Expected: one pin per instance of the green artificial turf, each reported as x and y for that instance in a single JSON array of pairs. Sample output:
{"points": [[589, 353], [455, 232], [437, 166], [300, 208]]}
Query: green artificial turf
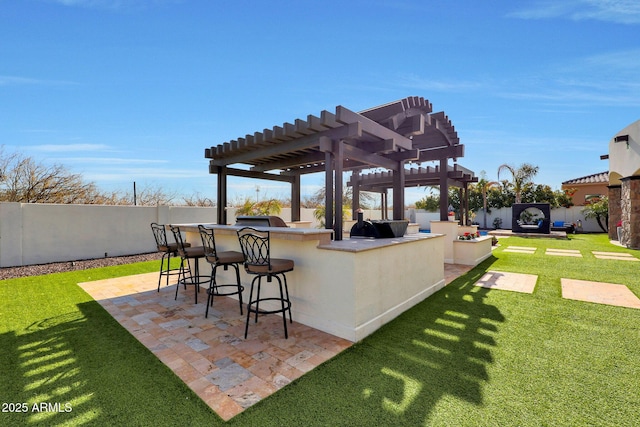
{"points": [[61, 349], [466, 356]]}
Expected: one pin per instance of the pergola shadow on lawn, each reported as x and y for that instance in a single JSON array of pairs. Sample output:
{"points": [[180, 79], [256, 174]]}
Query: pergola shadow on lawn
{"points": [[79, 368], [46, 364], [465, 356], [401, 374]]}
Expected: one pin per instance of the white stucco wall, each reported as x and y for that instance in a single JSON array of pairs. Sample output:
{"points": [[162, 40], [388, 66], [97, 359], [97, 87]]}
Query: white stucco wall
{"points": [[43, 233], [33, 233], [347, 293], [624, 159]]}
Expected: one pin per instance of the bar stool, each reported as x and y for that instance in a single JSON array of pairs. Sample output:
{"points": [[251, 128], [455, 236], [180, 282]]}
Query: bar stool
{"points": [[167, 249], [188, 253], [220, 259], [255, 246]]}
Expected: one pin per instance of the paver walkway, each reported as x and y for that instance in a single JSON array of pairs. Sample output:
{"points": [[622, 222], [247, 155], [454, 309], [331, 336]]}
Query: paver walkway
{"points": [[599, 292], [580, 290], [505, 281], [520, 249], [564, 252], [620, 256]]}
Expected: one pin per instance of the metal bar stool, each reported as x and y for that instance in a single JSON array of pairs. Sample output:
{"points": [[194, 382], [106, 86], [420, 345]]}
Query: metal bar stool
{"points": [[220, 259], [167, 249], [188, 253], [256, 249]]}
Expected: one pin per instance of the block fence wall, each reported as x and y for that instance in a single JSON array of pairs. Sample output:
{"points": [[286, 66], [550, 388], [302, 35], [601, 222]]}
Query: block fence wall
{"points": [[571, 215], [33, 233]]}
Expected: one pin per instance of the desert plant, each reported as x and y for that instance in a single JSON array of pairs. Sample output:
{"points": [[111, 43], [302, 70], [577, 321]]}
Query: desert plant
{"points": [[263, 207], [319, 214], [599, 210]]}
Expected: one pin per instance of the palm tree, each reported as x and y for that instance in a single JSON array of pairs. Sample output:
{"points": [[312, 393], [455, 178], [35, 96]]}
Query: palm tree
{"points": [[484, 187], [520, 177]]}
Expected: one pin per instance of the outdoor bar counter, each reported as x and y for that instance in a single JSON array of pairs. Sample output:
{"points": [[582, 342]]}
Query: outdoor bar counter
{"points": [[347, 288]]}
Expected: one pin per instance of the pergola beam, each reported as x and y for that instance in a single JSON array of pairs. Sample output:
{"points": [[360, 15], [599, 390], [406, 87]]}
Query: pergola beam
{"points": [[258, 175], [287, 146], [370, 127], [287, 163], [366, 157], [449, 152]]}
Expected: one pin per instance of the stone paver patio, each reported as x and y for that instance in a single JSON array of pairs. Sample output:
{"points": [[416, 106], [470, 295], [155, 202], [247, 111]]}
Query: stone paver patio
{"points": [[211, 355]]}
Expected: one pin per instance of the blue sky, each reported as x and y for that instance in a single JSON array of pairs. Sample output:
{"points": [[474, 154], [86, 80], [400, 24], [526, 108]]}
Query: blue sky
{"points": [[133, 90]]}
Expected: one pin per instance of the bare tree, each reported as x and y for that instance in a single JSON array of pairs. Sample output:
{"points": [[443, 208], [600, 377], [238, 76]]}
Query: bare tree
{"points": [[24, 180], [198, 200], [149, 195]]}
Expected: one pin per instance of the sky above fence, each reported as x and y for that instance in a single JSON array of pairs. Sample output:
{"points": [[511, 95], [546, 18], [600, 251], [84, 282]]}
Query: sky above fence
{"points": [[125, 91]]}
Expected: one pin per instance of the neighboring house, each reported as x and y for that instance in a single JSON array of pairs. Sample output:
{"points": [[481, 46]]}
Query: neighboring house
{"points": [[624, 186], [588, 187]]}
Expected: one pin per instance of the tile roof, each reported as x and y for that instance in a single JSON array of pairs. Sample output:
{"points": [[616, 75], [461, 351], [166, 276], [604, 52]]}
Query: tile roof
{"points": [[596, 178]]}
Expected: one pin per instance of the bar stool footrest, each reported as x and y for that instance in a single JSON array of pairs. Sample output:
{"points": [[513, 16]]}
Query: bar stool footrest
{"points": [[252, 309], [195, 280], [171, 272], [216, 291]]}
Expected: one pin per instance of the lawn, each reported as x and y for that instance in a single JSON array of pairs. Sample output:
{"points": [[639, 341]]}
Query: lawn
{"points": [[466, 356]]}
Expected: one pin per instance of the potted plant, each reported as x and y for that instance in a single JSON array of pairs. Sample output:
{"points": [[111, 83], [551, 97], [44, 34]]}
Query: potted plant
{"points": [[497, 223]]}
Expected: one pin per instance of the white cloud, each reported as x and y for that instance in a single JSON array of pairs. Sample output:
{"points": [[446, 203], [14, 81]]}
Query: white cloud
{"points": [[113, 5], [607, 79], [125, 174], [619, 61], [620, 11], [14, 80], [61, 148], [21, 81], [111, 160], [427, 84], [101, 4]]}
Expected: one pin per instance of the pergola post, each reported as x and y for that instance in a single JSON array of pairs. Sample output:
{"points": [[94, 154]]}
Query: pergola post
{"points": [[384, 202], [295, 198], [328, 192], [355, 196], [398, 191], [465, 200], [463, 208], [444, 191], [221, 173], [339, 208]]}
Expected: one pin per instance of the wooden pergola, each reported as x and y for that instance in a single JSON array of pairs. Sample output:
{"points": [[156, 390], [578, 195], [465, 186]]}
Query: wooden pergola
{"points": [[387, 137], [442, 176]]}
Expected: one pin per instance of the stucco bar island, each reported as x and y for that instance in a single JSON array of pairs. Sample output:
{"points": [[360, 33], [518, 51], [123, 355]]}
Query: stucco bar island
{"points": [[348, 288]]}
